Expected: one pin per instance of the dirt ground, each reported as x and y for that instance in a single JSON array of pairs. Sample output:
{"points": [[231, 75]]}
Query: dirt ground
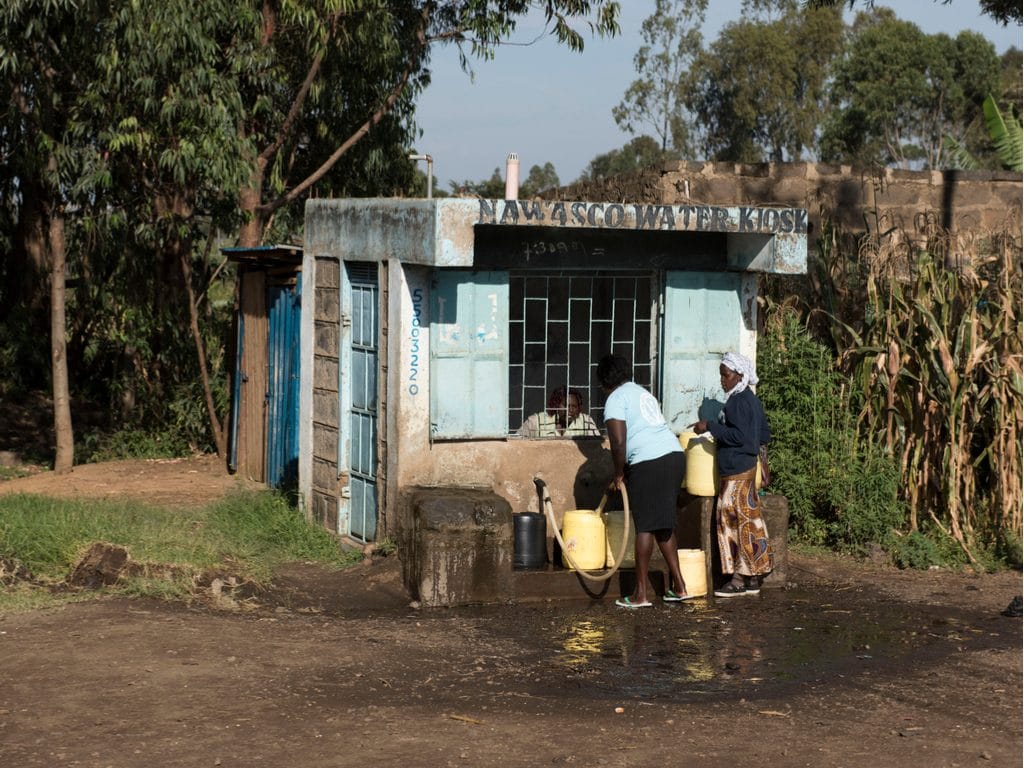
{"points": [[852, 664]]}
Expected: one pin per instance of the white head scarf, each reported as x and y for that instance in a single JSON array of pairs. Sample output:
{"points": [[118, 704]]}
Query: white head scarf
{"points": [[745, 367]]}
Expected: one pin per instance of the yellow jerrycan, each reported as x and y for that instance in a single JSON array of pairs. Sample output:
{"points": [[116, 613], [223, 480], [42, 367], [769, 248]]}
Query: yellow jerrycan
{"points": [[694, 571], [584, 537], [701, 472], [684, 441], [614, 522]]}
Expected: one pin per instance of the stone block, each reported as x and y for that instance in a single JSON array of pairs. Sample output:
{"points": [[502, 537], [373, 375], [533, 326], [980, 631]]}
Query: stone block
{"points": [[325, 407], [325, 443], [328, 272], [326, 305], [460, 547], [325, 510], [325, 373], [325, 339], [775, 511]]}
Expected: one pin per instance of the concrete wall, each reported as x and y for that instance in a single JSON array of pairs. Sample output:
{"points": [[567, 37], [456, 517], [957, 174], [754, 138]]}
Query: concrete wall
{"points": [[574, 470], [858, 199]]}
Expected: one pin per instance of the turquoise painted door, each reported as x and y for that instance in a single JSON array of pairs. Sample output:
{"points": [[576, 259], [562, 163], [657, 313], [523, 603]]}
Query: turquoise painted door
{"points": [[362, 417], [703, 317]]}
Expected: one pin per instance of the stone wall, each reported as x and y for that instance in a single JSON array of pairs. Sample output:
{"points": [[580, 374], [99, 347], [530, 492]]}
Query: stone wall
{"points": [[858, 200], [327, 325]]}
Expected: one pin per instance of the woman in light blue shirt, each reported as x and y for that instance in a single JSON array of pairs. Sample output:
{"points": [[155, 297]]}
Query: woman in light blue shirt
{"points": [[649, 462]]}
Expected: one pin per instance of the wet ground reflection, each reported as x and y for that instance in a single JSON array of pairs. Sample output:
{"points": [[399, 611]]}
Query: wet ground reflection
{"points": [[707, 647]]}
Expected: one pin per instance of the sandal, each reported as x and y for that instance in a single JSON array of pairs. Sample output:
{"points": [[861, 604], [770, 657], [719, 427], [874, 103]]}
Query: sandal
{"points": [[627, 602], [675, 597]]}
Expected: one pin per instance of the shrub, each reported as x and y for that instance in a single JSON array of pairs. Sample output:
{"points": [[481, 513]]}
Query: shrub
{"points": [[840, 493]]}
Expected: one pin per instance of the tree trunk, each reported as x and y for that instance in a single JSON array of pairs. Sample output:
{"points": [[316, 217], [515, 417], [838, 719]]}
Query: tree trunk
{"points": [[197, 337], [65, 456], [250, 234]]}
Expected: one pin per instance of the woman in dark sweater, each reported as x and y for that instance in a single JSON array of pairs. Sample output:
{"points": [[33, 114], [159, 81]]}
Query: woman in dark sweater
{"points": [[746, 553]]}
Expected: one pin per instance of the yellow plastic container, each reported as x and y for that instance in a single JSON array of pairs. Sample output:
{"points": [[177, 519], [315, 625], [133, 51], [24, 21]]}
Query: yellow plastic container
{"points": [[684, 441], [701, 469], [584, 537], [694, 571], [614, 522]]}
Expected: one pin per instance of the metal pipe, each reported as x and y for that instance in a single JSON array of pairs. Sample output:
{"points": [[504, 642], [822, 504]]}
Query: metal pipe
{"points": [[430, 172]]}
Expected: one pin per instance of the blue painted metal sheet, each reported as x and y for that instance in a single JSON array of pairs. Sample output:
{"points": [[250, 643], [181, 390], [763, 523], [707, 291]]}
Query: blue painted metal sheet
{"points": [[236, 393], [702, 322], [469, 354], [284, 315]]}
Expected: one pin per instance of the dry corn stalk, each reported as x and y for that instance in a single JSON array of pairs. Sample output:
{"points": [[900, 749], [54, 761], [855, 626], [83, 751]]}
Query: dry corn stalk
{"points": [[937, 355]]}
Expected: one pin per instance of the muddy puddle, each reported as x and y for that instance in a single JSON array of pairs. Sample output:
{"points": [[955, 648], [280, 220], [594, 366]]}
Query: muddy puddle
{"points": [[744, 645]]}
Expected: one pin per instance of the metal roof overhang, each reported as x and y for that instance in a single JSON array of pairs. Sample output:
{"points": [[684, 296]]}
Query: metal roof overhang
{"points": [[265, 255]]}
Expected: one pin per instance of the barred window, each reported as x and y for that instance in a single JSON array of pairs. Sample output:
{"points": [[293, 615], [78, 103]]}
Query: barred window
{"points": [[561, 323]]}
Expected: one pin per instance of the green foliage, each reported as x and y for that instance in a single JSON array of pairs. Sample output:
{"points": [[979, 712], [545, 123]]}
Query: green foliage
{"points": [[840, 494], [656, 100], [758, 91], [248, 535], [915, 550], [130, 443], [898, 92], [863, 498], [641, 152], [539, 179], [1004, 136], [151, 128]]}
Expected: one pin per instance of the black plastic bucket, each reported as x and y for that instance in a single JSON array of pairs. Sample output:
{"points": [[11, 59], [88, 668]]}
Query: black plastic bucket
{"points": [[530, 548]]}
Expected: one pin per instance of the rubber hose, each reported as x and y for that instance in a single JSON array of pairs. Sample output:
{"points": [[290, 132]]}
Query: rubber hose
{"points": [[590, 576]]}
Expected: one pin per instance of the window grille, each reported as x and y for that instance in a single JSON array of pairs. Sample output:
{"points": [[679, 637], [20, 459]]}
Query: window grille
{"points": [[562, 323]]}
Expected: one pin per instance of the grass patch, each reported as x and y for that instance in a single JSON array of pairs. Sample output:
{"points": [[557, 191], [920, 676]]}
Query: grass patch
{"points": [[247, 535]]}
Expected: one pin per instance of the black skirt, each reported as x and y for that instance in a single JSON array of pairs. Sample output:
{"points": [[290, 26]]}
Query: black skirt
{"points": [[653, 487]]}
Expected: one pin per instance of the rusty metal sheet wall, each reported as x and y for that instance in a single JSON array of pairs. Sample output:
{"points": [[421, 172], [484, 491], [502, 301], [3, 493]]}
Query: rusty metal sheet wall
{"points": [[253, 369]]}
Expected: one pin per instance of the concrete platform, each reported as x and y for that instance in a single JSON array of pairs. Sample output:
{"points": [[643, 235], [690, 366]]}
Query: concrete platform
{"points": [[695, 528]]}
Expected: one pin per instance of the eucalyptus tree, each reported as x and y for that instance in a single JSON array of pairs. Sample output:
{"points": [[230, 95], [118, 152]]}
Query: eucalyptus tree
{"points": [[539, 179], [47, 55], [898, 92], [342, 69], [637, 154], [1003, 12], [758, 91], [656, 99], [156, 124]]}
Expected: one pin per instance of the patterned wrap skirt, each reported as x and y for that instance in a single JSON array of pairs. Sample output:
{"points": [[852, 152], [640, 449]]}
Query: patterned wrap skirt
{"points": [[742, 535], [653, 488]]}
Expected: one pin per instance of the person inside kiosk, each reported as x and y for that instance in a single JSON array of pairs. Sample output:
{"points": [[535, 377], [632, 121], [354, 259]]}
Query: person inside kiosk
{"points": [[563, 417]]}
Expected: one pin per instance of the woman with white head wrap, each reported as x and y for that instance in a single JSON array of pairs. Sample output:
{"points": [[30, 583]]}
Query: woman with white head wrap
{"points": [[746, 553]]}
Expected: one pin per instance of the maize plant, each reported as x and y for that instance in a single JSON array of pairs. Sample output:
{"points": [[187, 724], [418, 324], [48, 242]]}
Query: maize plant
{"points": [[937, 360]]}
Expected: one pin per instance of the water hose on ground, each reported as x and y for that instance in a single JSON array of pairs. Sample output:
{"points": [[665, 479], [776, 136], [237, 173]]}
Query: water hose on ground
{"points": [[542, 488]]}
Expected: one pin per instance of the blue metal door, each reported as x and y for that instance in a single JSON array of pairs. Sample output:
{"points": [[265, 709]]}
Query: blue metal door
{"points": [[284, 313], [362, 516]]}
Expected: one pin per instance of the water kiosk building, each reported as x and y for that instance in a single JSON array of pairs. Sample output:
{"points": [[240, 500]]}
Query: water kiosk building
{"points": [[431, 329]]}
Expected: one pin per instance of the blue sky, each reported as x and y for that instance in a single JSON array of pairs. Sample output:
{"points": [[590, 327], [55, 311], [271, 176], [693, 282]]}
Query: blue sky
{"points": [[551, 105]]}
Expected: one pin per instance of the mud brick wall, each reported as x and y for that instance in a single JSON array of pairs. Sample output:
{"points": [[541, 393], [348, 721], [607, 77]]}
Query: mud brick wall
{"points": [[860, 200], [327, 328]]}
